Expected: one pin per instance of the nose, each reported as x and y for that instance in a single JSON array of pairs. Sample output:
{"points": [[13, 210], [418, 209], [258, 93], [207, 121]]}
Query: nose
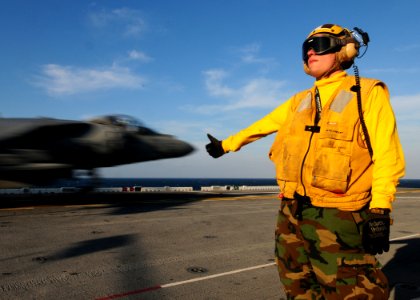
{"points": [[311, 52]]}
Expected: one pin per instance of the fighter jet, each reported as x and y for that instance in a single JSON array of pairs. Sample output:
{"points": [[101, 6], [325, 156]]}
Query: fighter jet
{"points": [[36, 151]]}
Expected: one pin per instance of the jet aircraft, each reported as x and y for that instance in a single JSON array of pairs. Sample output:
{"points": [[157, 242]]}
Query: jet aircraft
{"points": [[37, 151]]}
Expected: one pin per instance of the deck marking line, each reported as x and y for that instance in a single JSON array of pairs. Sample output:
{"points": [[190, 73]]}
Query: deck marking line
{"points": [[167, 285], [404, 237], [116, 296], [216, 275], [17, 208]]}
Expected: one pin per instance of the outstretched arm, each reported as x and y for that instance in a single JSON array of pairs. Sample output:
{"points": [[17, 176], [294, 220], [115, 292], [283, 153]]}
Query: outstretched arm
{"points": [[261, 128]]}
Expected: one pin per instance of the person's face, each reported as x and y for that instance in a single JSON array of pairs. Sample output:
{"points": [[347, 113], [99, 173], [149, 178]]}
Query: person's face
{"points": [[320, 64], [323, 63]]}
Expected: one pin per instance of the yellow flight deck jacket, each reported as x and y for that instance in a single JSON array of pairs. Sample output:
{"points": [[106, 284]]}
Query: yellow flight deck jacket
{"points": [[333, 166]]}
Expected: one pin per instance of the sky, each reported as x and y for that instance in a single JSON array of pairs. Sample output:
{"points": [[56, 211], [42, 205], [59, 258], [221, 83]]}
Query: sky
{"points": [[192, 67]]}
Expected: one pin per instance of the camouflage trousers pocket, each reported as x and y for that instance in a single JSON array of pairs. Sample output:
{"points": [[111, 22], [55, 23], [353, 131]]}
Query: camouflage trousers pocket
{"points": [[361, 277], [288, 207]]}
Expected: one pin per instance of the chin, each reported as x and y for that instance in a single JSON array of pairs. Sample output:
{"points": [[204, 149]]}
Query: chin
{"points": [[315, 74]]}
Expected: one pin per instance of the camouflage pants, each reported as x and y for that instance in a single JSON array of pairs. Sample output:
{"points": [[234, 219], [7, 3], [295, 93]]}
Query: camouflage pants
{"points": [[320, 256]]}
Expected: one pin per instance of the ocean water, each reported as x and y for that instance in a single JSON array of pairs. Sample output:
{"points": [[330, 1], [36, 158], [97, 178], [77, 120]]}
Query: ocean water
{"points": [[196, 183]]}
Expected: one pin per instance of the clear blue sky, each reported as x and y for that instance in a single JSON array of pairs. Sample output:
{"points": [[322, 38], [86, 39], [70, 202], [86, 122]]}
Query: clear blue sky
{"points": [[191, 67]]}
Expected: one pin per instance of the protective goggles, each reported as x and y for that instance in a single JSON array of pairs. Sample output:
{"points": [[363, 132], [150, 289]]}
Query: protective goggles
{"points": [[321, 45]]}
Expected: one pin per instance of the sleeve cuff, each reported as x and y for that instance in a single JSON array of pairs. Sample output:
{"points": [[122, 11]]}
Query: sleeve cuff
{"points": [[381, 201]]}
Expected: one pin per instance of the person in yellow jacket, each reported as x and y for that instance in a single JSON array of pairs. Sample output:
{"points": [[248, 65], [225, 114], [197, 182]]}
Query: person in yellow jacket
{"points": [[338, 161]]}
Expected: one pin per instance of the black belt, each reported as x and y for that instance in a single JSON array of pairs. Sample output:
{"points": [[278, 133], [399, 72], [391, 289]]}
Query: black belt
{"points": [[302, 199], [302, 202]]}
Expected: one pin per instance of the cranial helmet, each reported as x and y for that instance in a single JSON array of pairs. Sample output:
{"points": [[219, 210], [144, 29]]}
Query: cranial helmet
{"points": [[331, 38]]}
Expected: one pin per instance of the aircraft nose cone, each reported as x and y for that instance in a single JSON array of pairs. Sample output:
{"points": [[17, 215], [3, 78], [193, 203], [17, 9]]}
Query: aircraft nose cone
{"points": [[184, 148], [170, 146], [161, 146]]}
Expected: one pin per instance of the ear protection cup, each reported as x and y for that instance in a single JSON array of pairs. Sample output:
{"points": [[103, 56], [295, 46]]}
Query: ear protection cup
{"points": [[348, 52]]}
